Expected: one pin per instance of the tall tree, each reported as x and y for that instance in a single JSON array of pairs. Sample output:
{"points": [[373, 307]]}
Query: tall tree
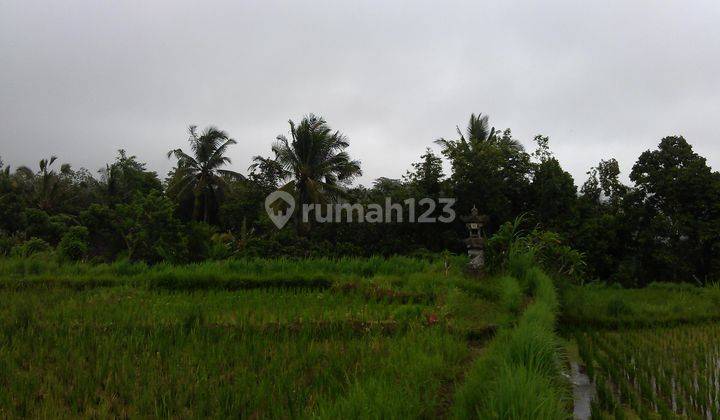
{"points": [[489, 170], [426, 176], [314, 161], [677, 212], [552, 191], [201, 173], [477, 134], [149, 228], [11, 204], [125, 177], [46, 189], [602, 228]]}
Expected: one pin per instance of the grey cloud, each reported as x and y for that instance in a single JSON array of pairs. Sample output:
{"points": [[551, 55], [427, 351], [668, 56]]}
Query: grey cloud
{"points": [[81, 79]]}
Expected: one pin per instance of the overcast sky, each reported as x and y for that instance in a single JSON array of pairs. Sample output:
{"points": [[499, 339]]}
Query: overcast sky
{"points": [[81, 79]]}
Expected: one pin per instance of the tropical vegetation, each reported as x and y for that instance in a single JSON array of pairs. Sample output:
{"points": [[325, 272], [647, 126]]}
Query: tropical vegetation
{"points": [[129, 294]]}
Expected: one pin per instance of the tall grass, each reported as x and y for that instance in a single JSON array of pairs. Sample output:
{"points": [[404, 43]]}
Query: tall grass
{"points": [[524, 394], [188, 370], [418, 276], [519, 375], [11, 267], [247, 338], [127, 352], [659, 304]]}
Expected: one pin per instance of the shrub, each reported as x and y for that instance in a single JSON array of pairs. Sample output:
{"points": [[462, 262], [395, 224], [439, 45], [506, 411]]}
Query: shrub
{"points": [[39, 224], [150, 230], [514, 250], [520, 261], [222, 246], [74, 244], [30, 247], [198, 241], [6, 244], [104, 239]]}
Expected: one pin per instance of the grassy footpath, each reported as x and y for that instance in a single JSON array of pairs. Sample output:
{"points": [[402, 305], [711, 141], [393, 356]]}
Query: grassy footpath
{"points": [[519, 374]]}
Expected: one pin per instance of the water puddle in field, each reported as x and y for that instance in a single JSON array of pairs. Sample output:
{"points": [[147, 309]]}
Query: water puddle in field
{"points": [[583, 391]]}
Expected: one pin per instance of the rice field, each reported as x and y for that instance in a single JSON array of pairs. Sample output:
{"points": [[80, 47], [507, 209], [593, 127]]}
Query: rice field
{"points": [[659, 304], [666, 372], [257, 339], [377, 338]]}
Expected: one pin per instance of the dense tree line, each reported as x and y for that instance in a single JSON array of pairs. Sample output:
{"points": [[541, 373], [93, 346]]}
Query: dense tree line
{"points": [[663, 227]]}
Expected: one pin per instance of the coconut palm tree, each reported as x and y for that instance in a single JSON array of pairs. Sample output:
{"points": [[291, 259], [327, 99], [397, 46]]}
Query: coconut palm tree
{"points": [[313, 161], [201, 173], [477, 134], [46, 187], [489, 169]]}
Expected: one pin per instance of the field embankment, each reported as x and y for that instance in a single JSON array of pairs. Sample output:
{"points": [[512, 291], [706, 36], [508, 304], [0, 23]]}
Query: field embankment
{"points": [[519, 374]]}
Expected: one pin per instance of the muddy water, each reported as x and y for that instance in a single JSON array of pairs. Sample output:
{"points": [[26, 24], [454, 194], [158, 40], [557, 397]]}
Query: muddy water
{"points": [[583, 391]]}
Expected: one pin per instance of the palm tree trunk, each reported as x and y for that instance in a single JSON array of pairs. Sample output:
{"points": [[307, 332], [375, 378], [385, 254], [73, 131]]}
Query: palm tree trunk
{"points": [[196, 207], [206, 216], [301, 228]]}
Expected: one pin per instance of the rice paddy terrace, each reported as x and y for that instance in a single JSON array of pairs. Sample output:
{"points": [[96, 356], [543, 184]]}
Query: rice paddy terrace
{"points": [[380, 338]]}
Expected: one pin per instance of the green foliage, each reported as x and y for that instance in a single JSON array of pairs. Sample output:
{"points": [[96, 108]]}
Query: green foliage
{"points": [[74, 244], [523, 393], [30, 247], [499, 245], [41, 225], [665, 226], [11, 202], [150, 230], [552, 193], [515, 250], [104, 237], [426, 177], [6, 245], [201, 175], [681, 195], [199, 241], [242, 205], [337, 269], [314, 161], [489, 169], [126, 177]]}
